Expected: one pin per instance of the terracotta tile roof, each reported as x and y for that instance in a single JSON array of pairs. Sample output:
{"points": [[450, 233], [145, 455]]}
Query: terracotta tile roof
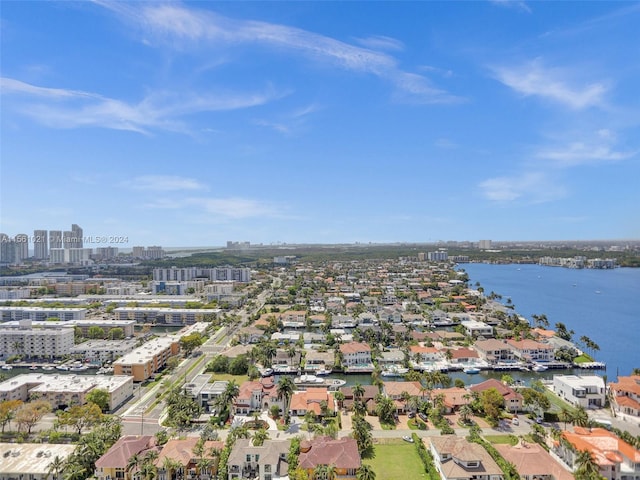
{"points": [[527, 344], [354, 347], [125, 448], [504, 390], [342, 453], [531, 460], [181, 450], [395, 389], [311, 398], [420, 349], [453, 397], [604, 445], [463, 353], [627, 384]]}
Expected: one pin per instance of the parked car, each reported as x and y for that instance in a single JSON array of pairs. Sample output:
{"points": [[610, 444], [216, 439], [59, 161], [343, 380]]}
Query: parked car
{"points": [[515, 421], [407, 438], [411, 414], [423, 417]]}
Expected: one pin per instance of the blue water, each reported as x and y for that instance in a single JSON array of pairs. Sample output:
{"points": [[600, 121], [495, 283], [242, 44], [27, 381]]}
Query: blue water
{"points": [[601, 304]]}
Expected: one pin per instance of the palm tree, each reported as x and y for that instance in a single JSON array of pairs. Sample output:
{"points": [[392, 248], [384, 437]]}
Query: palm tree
{"points": [[366, 472], [586, 466], [339, 396], [259, 437], [170, 466], [580, 418], [358, 391], [465, 413], [56, 467], [133, 463], [285, 390]]}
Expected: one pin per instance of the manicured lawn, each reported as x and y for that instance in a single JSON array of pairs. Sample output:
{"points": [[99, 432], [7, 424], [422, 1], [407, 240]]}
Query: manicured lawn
{"points": [[396, 459], [557, 403], [502, 439], [240, 379]]}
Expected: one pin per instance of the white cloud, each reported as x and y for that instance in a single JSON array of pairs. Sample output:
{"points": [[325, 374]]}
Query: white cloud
{"points": [[529, 187], [534, 79], [177, 26], [62, 108], [163, 183], [381, 42], [599, 147]]}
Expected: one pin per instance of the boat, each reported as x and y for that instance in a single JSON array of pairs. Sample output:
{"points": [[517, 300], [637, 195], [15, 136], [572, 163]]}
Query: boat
{"points": [[78, 368], [471, 370], [539, 367], [304, 381], [394, 371], [33, 367], [266, 372], [7, 367], [62, 367], [48, 368], [322, 371]]}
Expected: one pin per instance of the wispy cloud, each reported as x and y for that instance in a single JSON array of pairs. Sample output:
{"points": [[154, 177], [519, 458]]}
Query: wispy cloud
{"points": [[556, 84], [233, 208], [380, 42], [528, 187], [178, 25], [64, 108], [600, 147], [516, 4], [289, 122], [163, 183]]}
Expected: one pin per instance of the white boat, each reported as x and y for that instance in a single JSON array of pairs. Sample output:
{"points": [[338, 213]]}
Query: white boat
{"points": [[62, 367], [471, 370], [33, 367], [539, 367], [304, 381], [47, 367], [7, 367], [322, 371], [394, 371], [78, 368]]}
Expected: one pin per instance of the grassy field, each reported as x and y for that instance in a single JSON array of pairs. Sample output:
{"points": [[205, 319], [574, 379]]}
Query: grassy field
{"points": [[502, 439], [240, 379], [396, 459], [557, 403]]}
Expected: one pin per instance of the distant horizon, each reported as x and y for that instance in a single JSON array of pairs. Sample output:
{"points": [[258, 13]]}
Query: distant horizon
{"points": [[189, 123]]}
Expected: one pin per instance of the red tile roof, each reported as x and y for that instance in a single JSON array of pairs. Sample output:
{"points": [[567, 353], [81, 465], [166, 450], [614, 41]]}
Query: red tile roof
{"points": [[342, 453], [125, 448]]}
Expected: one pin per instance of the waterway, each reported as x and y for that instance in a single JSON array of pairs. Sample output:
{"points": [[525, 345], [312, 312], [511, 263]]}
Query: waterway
{"points": [[601, 304]]}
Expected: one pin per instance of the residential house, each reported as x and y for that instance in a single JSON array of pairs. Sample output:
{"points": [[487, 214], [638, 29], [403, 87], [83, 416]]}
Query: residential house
{"points": [[257, 395], [495, 351], [312, 399], [587, 391], [368, 398], [512, 399], [462, 356], [452, 398], [531, 351], [455, 458], [475, 329], [315, 360], [177, 459], [421, 354], [356, 355], [341, 453], [396, 391], [625, 395], [266, 462], [113, 464], [616, 459], [533, 462]]}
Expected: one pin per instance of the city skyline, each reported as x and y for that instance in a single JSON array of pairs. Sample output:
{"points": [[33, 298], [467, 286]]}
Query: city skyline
{"points": [[189, 124]]}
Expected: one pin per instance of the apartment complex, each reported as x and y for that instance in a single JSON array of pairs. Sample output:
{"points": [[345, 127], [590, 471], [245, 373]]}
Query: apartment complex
{"points": [[148, 359], [41, 313], [35, 343], [235, 274]]}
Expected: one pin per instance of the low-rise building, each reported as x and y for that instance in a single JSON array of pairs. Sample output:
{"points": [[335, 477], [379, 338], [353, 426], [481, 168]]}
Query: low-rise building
{"points": [[65, 390], [257, 395], [356, 355], [531, 351], [178, 459], [41, 313], [100, 352], [586, 391], [32, 460], [45, 343], [205, 392], [455, 458], [475, 328], [495, 351], [147, 359]]}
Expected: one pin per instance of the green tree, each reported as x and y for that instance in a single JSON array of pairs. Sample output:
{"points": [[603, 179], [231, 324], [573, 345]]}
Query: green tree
{"points": [[586, 467], [31, 413], [492, 403], [260, 436], [362, 434], [116, 333], [386, 409], [190, 342], [80, 417], [8, 409], [95, 331], [100, 397], [365, 472]]}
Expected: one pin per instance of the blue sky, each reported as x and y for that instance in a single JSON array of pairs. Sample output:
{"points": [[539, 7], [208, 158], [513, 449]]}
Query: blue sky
{"points": [[190, 124]]}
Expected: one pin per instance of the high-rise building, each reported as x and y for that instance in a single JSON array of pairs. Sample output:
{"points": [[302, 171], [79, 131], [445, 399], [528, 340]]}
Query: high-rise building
{"points": [[21, 250], [138, 252], [77, 235], [484, 244], [40, 245], [55, 238], [154, 252]]}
